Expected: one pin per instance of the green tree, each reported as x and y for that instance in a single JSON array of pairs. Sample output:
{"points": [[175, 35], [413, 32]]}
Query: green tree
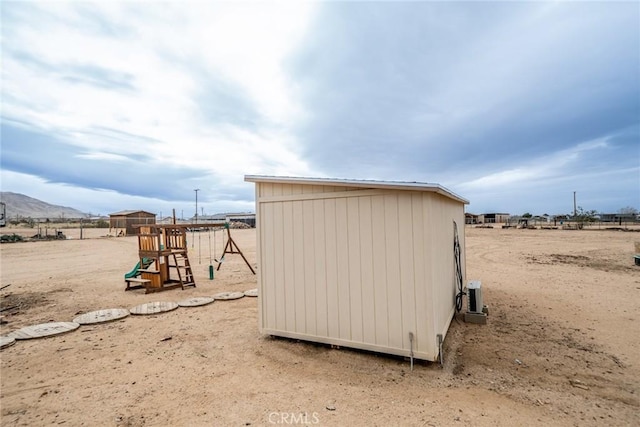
{"points": [[583, 217]]}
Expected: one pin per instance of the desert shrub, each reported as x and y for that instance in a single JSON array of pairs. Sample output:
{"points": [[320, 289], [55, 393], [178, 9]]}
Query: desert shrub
{"points": [[101, 223], [10, 238]]}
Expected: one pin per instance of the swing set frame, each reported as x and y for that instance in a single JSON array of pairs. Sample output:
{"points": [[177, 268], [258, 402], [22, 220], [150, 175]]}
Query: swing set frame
{"points": [[231, 247]]}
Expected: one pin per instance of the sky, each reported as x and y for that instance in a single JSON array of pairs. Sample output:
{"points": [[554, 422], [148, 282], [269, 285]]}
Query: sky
{"points": [[515, 106]]}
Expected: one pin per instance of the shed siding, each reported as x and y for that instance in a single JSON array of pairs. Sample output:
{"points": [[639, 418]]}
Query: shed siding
{"points": [[381, 323], [421, 253], [298, 268], [407, 267], [357, 270], [366, 269], [342, 267], [289, 253], [268, 189], [444, 213]]}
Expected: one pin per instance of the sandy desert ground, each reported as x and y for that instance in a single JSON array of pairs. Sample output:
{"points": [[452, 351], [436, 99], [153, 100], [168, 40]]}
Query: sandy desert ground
{"points": [[561, 346]]}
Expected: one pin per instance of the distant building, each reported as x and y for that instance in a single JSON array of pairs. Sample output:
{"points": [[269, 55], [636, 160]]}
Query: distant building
{"points": [[470, 218], [493, 218], [170, 220], [618, 217], [124, 221], [220, 219], [246, 218], [214, 219]]}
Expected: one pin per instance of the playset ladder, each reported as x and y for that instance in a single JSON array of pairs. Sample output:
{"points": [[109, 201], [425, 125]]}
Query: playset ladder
{"points": [[183, 269]]}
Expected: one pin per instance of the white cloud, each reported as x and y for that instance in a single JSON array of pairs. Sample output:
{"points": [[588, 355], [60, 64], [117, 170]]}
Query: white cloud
{"points": [[248, 42], [538, 170], [210, 91], [157, 49]]}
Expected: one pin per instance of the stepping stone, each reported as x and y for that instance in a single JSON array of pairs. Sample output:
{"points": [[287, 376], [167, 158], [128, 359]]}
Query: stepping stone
{"points": [[195, 301], [44, 330], [6, 342], [101, 316], [228, 295], [251, 293], [154, 307]]}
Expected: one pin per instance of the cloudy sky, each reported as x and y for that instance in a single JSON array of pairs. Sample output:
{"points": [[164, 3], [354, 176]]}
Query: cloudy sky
{"points": [[133, 105]]}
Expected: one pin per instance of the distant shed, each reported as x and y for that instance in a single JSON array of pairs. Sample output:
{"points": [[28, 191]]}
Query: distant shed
{"points": [[125, 221], [362, 264], [494, 218]]}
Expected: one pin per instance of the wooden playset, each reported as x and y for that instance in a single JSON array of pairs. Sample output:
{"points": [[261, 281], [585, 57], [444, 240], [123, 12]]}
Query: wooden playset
{"points": [[164, 260]]}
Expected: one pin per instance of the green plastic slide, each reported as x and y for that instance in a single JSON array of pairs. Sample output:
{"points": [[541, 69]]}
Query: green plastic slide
{"points": [[134, 272]]}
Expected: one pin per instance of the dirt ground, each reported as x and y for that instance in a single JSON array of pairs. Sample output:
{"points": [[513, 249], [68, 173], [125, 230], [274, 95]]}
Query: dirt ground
{"points": [[560, 346]]}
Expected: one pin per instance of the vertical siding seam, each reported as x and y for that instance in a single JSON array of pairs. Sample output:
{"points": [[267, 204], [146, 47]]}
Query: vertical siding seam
{"points": [[275, 270], [287, 286], [259, 254], [346, 205], [319, 247], [277, 261], [302, 254], [415, 267], [358, 268], [314, 275], [362, 309], [398, 254], [263, 275], [373, 258], [326, 268], [276, 265], [335, 255], [386, 258]]}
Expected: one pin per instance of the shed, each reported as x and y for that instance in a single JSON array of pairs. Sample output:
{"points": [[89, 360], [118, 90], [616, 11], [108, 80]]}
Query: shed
{"points": [[361, 264], [494, 218], [125, 220], [470, 218]]}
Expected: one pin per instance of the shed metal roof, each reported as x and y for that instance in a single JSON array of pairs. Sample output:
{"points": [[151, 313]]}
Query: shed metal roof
{"points": [[392, 185]]}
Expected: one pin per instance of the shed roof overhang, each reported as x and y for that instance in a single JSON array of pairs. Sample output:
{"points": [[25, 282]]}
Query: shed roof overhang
{"points": [[391, 185]]}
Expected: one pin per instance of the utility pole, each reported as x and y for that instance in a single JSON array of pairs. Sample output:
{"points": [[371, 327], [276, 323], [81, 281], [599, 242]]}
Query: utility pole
{"points": [[575, 211], [196, 190]]}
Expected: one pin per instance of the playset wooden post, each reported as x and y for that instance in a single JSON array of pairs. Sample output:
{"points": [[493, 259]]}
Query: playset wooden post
{"points": [[232, 248]]}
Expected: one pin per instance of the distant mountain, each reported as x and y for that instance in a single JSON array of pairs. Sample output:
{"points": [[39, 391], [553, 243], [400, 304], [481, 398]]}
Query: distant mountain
{"points": [[25, 206]]}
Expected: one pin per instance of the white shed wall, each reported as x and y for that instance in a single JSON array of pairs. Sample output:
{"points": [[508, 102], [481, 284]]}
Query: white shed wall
{"points": [[357, 267]]}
